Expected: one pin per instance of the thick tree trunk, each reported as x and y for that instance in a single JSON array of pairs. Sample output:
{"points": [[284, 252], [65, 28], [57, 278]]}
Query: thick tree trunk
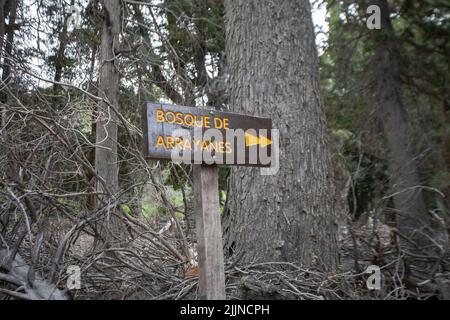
{"points": [[273, 69], [411, 215], [106, 129]]}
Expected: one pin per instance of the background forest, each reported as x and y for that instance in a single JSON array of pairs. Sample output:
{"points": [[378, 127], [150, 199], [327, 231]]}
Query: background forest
{"points": [[364, 127]]}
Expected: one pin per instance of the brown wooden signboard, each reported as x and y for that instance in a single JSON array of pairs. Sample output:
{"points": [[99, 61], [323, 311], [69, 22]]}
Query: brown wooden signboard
{"points": [[207, 138], [202, 136]]}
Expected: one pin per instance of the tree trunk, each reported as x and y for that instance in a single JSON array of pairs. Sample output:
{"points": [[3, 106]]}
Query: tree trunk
{"points": [[2, 24], [2, 36], [60, 57], [8, 48], [411, 215], [10, 10], [90, 178], [106, 129], [273, 69]]}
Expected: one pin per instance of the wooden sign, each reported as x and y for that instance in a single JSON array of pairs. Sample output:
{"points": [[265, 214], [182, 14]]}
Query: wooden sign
{"points": [[207, 138], [201, 136]]}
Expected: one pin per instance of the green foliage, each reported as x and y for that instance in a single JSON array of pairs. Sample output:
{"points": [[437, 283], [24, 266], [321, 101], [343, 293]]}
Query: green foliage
{"points": [[422, 30], [126, 208], [190, 21], [149, 210]]}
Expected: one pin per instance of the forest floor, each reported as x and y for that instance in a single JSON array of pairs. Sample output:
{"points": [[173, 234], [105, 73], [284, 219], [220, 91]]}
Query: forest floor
{"points": [[147, 272]]}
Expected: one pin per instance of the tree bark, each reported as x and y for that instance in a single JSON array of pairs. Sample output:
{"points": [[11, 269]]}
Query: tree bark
{"points": [[6, 74], [60, 56], [10, 10], [411, 215], [2, 36], [2, 24], [273, 70], [106, 129]]}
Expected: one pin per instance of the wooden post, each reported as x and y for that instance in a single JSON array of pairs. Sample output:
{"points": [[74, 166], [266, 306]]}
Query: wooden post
{"points": [[209, 232]]}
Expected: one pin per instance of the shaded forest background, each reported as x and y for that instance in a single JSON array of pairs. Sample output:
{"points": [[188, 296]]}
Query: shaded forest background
{"points": [[75, 189]]}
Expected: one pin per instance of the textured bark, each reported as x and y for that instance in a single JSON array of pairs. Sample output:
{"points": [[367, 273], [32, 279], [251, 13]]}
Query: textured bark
{"points": [[2, 24], [8, 47], [89, 175], [106, 129], [10, 11], [411, 215], [2, 36], [60, 56], [273, 71]]}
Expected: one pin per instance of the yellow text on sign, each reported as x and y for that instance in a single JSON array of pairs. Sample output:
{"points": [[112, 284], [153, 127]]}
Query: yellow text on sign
{"points": [[190, 120], [169, 142]]}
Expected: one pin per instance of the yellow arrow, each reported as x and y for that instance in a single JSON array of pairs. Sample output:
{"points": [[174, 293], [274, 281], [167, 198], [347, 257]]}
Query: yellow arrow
{"points": [[251, 140]]}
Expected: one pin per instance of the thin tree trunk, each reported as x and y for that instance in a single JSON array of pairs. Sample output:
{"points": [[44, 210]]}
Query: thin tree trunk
{"points": [[2, 36], [273, 69], [106, 160], [13, 167], [90, 179], [60, 57], [411, 215], [2, 24], [8, 48]]}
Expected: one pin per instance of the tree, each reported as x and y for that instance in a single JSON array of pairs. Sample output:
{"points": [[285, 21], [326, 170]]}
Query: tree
{"points": [[273, 69], [406, 187], [106, 160], [60, 58], [11, 8], [386, 88]]}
